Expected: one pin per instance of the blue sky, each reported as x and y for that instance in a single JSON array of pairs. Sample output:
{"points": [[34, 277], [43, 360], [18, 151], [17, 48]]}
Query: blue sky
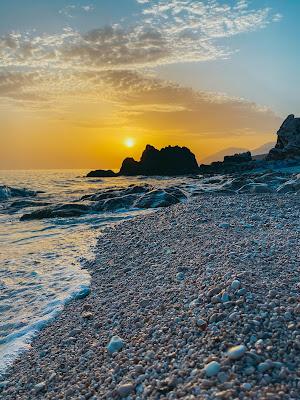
{"points": [[151, 67]]}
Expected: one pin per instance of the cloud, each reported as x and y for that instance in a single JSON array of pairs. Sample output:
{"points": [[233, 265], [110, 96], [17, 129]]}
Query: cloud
{"points": [[112, 64], [162, 106], [72, 10], [168, 31]]}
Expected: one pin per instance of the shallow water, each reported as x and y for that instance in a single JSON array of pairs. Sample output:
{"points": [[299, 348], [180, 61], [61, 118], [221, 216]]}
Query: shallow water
{"points": [[41, 261]]}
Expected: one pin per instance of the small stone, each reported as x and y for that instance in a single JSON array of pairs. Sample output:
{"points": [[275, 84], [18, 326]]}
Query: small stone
{"points": [[235, 285], [212, 369], [125, 390], [225, 298], [235, 316], [180, 276], [87, 315], [201, 324], [236, 352], [224, 225], [115, 344], [40, 387], [246, 386], [263, 367]]}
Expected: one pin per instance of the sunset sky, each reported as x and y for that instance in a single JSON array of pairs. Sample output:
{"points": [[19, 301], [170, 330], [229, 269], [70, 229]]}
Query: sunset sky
{"points": [[85, 83]]}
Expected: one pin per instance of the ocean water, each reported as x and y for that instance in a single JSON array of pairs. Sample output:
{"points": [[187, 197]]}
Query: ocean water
{"points": [[42, 261]]}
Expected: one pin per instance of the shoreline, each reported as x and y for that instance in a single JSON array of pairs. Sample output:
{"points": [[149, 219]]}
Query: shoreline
{"points": [[158, 282]]}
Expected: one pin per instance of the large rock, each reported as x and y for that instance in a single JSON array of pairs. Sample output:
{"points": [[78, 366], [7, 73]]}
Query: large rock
{"points": [[160, 198], [166, 162], [288, 141], [59, 211], [101, 173]]}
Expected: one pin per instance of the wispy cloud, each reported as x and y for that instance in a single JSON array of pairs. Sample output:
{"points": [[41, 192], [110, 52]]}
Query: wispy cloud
{"points": [[72, 10], [167, 32], [112, 64]]}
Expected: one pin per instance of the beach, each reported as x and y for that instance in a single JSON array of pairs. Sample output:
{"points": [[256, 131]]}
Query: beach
{"points": [[202, 299]]}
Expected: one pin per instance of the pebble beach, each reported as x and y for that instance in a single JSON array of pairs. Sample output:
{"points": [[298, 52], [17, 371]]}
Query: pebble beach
{"points": [[195, 301]]}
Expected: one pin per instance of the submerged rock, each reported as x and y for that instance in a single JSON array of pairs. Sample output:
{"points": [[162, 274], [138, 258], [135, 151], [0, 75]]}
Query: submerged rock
{"points": [[60, 211]]}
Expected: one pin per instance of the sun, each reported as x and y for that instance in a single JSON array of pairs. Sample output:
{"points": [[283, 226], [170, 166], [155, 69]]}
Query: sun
{"points": [[129, 142]]}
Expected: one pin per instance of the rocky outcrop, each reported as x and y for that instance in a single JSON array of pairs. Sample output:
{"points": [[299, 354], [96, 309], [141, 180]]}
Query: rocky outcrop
{"points": [[101, 173], [238, 158], [59, 211], [231, 164], [165, 162], [288, 141]]}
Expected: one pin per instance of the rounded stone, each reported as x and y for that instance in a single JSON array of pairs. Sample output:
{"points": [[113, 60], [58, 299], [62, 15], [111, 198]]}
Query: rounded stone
{"points": [[236, 352], [235, 285], [212, 369], [115, 344]]}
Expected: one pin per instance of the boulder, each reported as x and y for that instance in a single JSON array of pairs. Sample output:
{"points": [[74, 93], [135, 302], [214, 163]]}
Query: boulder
{"points": [[157, 198], [101, 173], [115, 203], [59, 211], [288, 140], [168, 161]]}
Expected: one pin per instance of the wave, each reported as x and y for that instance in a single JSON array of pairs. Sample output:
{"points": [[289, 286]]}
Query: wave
{"points": [[8, 192]]}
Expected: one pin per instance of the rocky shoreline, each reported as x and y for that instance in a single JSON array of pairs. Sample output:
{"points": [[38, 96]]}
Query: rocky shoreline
{"points": [[201, 301]]}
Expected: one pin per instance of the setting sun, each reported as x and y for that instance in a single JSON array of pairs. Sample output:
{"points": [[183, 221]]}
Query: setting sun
{"points": [[129, 142]]}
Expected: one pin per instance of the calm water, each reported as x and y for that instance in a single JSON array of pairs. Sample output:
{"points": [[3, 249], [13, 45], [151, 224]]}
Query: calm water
{"points": [[41, 261]]}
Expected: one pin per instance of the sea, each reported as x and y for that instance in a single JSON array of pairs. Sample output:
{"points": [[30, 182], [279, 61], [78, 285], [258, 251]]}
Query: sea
{"points": [[42, 261]]}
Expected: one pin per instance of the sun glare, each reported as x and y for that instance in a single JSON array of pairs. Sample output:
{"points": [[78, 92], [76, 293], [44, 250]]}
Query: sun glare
{"points": [[129, 142]]}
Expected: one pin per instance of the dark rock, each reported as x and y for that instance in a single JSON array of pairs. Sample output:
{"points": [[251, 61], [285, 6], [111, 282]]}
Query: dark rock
{"points": [[288, 141], [115, 203], [28, 203], [236, 163], [238, 158], [60, 211], [130, 167], [101, 173], [157, 198], [166, 162]]}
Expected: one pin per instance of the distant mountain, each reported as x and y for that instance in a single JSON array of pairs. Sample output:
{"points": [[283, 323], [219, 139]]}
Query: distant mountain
{"points": [[263, 149], [219, 156]]}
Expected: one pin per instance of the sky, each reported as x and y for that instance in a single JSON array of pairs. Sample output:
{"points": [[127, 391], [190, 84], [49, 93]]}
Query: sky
{"points": [[84, 84]]}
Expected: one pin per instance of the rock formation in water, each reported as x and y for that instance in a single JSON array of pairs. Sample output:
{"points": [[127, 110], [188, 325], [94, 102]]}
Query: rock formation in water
{"points": [[167, 161], [288, 141], [101, 173]]}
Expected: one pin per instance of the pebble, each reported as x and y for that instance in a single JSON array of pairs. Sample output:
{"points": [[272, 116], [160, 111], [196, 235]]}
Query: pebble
{"points": [[180, 276], [115, 344], [40, 387], [125, 390], [236, 352], [212, 369], [235, 285], [246, 386]]}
